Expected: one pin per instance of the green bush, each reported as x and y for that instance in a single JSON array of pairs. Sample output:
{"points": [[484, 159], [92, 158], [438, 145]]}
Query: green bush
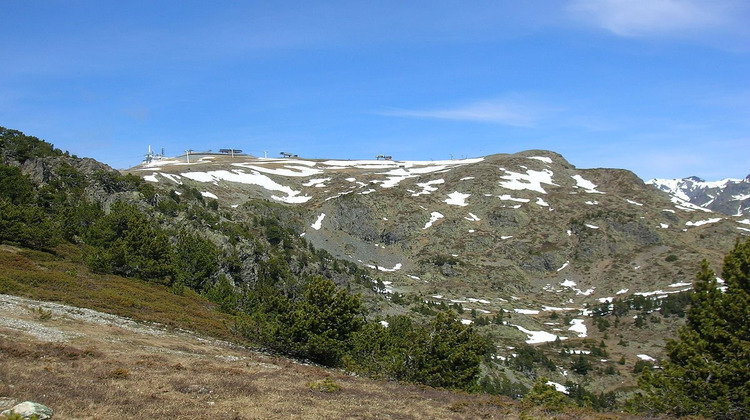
{"points": [[444, 353], [546, 396]]}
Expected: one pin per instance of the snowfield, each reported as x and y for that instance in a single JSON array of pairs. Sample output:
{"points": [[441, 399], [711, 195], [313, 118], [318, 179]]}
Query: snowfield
{"points": [[254, 178], [531, 180]]}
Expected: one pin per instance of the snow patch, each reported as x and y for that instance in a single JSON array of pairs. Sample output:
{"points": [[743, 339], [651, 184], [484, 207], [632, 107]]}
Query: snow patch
{"points": [[571, 285], [526, 311], [703, 222], [536, 337], [472, 218], [558, 387], [209, 195], [287, 170], [544, 159], [687, 206], [578, 327], [556, 309], [457, 199], [318, 182], [386, 270], [318, 223], [506, 197], [531, 180], [173, 178], [427, 187], [587, 185], [434, 217]]}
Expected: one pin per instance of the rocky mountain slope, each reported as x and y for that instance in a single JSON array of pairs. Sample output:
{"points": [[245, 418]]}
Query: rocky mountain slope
{"points": [[527, 236], [728, 196]]}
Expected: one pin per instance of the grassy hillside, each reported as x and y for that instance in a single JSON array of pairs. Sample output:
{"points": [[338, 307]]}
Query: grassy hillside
{"points": [[60, 276]]}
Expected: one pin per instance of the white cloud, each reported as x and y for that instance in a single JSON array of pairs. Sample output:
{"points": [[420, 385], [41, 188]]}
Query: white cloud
{"points": [[507, 112], [630, 18]]}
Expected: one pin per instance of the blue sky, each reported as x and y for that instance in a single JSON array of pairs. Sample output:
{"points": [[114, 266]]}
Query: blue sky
{"points": [[660, 87]]}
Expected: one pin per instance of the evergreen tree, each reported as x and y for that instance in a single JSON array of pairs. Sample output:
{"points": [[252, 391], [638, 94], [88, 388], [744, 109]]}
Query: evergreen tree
{"points": [[317, 326], [126, 243], [14, 145], [196, 260], [444, 353], [708, 371], [581, 366]]}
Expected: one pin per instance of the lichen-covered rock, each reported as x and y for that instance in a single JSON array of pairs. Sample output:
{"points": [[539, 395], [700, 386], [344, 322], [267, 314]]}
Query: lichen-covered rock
{"points": [[27, 409], [6, 403]]}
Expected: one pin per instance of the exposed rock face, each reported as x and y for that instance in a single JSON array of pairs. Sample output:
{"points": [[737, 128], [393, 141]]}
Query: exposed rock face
{"points": [[28, 409], [106, 189]]}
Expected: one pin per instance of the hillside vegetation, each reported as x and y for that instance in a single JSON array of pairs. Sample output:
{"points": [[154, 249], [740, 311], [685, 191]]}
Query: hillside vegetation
{"points": [[309, 276]]}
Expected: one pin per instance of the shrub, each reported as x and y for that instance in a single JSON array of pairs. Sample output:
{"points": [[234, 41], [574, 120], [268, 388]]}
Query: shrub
{"points": [[325, 385]]}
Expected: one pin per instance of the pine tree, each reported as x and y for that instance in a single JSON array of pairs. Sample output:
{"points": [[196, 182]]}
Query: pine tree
{"points": [[708, 371]]}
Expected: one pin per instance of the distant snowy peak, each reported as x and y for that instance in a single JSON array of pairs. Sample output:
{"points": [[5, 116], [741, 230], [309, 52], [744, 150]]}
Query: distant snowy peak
{"points": [[728, 196]]}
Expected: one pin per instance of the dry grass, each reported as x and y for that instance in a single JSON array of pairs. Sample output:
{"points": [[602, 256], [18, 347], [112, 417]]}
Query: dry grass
{"points": [[113, 373]]}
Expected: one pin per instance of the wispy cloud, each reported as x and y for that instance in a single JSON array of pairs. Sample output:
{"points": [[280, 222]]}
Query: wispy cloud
{"points": [[630, 18], [505, 112]]}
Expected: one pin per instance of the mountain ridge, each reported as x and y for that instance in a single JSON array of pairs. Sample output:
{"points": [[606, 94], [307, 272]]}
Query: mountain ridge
{"points": [[508, 223], [728, 196]]}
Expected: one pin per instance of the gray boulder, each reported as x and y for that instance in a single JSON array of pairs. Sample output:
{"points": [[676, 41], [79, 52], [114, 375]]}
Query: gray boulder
{"points": [[27, 409]]}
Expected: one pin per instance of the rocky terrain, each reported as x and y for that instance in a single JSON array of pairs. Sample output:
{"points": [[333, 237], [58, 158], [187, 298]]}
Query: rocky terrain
{"points": [[527, 235]]}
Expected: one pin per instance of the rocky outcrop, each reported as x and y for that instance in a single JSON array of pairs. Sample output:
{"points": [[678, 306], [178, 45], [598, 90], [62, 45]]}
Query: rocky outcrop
{"points": [[30, 409]]}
